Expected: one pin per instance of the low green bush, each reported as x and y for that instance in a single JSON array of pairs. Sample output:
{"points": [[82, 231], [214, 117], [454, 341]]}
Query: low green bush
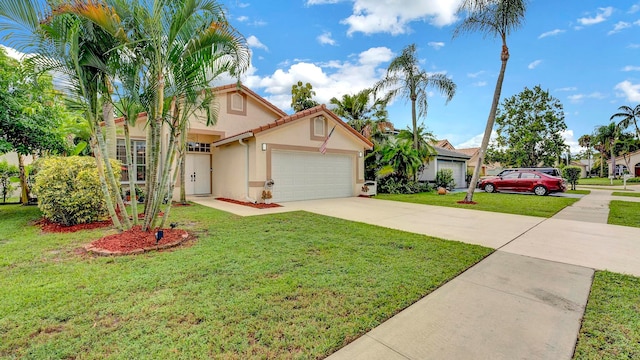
{"points": [[572, 174], [444, 178], [69, 190], [391, 185]]}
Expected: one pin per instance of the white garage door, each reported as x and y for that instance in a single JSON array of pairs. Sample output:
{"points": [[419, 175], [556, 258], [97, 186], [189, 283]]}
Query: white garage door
{"points": [[310, 175], [458, 173]]}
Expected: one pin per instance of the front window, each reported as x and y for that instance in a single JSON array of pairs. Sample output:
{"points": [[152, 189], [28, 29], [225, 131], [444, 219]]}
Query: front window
{"points": [[139, 149]]}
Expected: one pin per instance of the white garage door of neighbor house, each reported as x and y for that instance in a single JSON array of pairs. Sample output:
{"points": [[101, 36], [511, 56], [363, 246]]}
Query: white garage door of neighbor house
{"points": [[456, 166], [309, 175], [198, 174]]}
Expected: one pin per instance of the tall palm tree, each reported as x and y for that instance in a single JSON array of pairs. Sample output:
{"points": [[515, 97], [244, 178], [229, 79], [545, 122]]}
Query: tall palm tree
{"points": [[604, 139], [497, 18], [585, 142], [405, 78], [78, 50], [628, 116], [425, 141]]}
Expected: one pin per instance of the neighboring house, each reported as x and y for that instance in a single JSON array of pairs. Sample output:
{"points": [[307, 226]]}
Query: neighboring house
{"points": [[446, 158], [486, 169], [253, 141], [630, 162], [584, 166]]}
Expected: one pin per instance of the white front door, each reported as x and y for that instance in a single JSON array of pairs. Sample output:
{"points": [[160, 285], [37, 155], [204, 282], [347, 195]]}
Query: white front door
{"points": [[302, 175], [198, 174]]}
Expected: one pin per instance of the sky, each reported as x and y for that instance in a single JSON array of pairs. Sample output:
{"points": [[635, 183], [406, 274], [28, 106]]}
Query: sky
{"points": [[586, 53]]}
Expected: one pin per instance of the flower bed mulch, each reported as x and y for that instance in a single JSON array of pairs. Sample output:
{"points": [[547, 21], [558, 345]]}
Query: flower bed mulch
{"points": [[136, 241], [253, 205], [467, 202], [51, 227]]}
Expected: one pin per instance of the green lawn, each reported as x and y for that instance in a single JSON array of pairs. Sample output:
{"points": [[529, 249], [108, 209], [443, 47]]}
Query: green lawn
{"points": [[624, 193], [294, 285], [521, 204], [578, 192], [624, 213], [610, 326], [603, 181]]}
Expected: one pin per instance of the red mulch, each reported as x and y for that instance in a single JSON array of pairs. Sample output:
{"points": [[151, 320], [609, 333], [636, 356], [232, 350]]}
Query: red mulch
{"points": [[135, 239], [48, 226], [467, 202], [246, 203]]}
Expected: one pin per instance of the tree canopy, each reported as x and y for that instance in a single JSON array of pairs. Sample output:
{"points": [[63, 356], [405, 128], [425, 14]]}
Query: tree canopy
{"points": [[302, 97], [529, 130], [30, 111]]}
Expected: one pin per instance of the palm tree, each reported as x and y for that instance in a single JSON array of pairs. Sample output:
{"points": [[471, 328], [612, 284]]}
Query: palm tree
{"points": [[628, 115], [585, 142], [363, 112], [497, 18], [604, 140], [405, 78], [425, 141], [400, 159], [78, 50]]}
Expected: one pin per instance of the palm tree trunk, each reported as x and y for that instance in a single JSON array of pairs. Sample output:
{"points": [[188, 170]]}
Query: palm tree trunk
{"points": [[97, 153], [414, 122], [489, 127], [133, 195], [111, 180]]}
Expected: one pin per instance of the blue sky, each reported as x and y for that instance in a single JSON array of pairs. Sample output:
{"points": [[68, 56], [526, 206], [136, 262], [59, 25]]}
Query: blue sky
{"points": [[585, 52]]}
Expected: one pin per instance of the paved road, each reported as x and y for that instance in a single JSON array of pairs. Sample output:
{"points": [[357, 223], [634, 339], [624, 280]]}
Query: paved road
{"points": [[525, 301]]}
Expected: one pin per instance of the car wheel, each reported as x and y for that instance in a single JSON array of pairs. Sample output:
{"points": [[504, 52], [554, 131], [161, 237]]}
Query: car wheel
{"points": [[489, 188], [540, 190]]}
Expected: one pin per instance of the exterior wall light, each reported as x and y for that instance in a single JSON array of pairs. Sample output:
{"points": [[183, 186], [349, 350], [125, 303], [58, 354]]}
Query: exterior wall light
{"points": [[264, 147]]}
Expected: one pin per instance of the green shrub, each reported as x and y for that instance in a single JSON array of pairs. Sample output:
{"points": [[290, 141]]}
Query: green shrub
{"points": [[572, 174], [391, 185], [634, 180], [7, 174], [444, 178], [69, 190]]}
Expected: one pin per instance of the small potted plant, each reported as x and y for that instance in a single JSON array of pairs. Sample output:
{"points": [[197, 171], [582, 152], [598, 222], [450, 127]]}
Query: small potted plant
{"points": [[266, 196]]}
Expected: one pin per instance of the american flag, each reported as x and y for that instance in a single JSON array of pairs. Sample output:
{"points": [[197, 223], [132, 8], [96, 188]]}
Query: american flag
{"points": [[323, 147]]}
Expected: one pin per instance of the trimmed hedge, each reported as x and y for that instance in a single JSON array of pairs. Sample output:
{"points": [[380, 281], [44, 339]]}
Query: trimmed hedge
{"points": [[69, 190]]}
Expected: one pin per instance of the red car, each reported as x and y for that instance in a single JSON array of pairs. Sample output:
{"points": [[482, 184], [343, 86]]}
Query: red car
{"points": [[527, 181]]}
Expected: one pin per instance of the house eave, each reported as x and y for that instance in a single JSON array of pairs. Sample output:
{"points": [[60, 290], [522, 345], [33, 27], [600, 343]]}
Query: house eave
{"points": [[232, 139]]}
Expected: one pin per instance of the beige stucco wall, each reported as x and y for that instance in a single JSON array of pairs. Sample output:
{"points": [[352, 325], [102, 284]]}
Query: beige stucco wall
{"points": [[12, 158], [229, 171]]}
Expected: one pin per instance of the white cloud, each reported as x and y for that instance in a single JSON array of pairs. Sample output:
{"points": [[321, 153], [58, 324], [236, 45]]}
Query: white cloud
{"points": [[242, 18], [602, 15], [320, 2], [634, 9], [629, 90], [633, 46], [436, 44], [631, 68], [394, 16], [333, 78], [576, 98], [475, 74], [13, 53], [253, 42], [534, 64], [243, 5], [569, 88], [619, 26], [569, 139], [479, 84], [476, 141], [551, 33], [325, 39]]}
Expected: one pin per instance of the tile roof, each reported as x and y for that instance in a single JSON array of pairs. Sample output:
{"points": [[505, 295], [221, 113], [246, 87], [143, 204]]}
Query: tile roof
{"points": [[469, 151], [301, 114]]}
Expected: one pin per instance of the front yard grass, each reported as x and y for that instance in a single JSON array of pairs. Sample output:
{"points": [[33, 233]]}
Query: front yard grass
{"points": [[625, 193], [625, 213], [610, 325], [293, 285], [520, 204]]}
